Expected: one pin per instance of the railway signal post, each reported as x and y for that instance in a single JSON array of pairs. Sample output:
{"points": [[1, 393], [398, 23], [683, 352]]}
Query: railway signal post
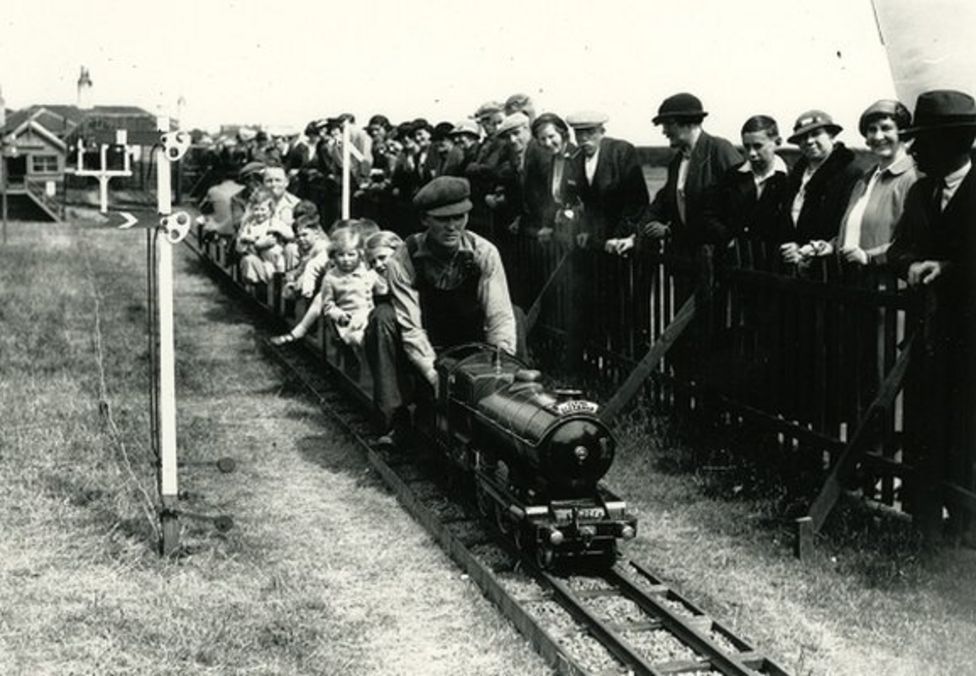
{"points": [[173, 227], [103, 173]]}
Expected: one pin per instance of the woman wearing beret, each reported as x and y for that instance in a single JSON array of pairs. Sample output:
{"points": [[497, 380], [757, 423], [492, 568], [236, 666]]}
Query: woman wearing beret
{"points": [[878, 198], [819, 186]]}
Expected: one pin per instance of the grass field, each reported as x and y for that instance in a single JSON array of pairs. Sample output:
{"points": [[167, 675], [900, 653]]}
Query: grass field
{"points": [[324, 573]]}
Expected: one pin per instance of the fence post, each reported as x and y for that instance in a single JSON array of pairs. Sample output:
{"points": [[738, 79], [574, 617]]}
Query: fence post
{"points": [[931, 438]]}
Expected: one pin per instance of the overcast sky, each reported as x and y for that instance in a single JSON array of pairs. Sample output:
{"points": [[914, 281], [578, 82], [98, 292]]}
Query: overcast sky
{"points": [[283, 63]]}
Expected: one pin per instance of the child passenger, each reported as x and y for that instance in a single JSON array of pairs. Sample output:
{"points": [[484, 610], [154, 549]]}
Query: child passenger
{"points": [[260, 251], [347, 289], [380, 247]]}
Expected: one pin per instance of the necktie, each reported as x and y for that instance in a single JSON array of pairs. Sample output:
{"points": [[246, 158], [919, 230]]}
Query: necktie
{"points": [[937, 197]]}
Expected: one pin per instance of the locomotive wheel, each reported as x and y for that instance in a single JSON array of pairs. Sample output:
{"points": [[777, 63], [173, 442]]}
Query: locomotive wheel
{"points": [[523, 542], [502, 521], [483, 500], [544, 557]]}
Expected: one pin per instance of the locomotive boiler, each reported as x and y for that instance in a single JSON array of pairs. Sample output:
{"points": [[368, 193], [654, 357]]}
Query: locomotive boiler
{"points": [[536, 455]]}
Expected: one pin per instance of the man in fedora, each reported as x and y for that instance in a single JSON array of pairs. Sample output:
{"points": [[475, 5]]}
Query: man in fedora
{"points": [[935, 247], [699, 163], [447, 287]]}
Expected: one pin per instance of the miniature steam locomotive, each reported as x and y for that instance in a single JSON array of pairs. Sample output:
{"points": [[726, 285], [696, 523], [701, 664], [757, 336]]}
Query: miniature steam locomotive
{"points": [[536, 456]]}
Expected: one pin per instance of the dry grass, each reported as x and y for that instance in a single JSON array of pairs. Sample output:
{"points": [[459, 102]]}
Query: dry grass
{"points": [[872, 602], [324, 574]]}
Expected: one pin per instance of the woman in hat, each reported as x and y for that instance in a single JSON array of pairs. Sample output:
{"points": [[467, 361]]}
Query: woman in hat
{"points": [[878, 198], [546, 187], [819, 186]]}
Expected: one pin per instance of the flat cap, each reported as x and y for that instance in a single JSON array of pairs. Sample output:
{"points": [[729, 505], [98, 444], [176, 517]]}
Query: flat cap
{"points": [[513, 121], [586, 119], [517, 102], [466, 126], [252, 168], [680, 106], [488, 108], [444, 196], [246, 133]]}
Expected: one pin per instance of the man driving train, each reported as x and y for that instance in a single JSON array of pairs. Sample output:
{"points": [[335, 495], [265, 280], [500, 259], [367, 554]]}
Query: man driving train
{"points": [[447, 287]]}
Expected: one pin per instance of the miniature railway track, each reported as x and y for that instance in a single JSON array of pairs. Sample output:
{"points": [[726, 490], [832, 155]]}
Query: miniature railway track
{"points": [[624, 620]]}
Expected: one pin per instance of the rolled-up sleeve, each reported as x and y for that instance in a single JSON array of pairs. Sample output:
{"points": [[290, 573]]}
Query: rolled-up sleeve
{"points": [[406, 303], [493, 294], [314, 271]]}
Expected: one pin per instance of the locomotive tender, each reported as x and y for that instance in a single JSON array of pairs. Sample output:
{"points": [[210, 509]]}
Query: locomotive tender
{"points": [[536, 456]]}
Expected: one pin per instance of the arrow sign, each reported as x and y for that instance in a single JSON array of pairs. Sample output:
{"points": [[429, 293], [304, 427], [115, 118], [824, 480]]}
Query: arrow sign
{"points": [[130, 220]]}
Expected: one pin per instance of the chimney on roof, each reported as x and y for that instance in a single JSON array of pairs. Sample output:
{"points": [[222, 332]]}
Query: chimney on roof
{"points": [[84, 89]]}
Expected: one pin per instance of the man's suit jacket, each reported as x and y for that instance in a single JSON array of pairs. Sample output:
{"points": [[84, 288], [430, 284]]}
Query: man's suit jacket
{"points": [[924, 233], [614, 200], [735, 209], [710, 159]]}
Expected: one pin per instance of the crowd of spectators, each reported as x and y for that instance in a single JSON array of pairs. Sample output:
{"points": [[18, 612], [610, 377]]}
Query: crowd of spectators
{"points": [[910, 207], [545, 176]]}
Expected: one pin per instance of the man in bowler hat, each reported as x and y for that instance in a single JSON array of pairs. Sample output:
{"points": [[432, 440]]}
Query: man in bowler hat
{"points": [[447, 287], [695, 171], [935, 248]]}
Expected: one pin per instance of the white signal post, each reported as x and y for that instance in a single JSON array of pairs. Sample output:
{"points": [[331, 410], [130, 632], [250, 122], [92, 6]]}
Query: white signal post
{"points": [[175, 229], [345, 169]]}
